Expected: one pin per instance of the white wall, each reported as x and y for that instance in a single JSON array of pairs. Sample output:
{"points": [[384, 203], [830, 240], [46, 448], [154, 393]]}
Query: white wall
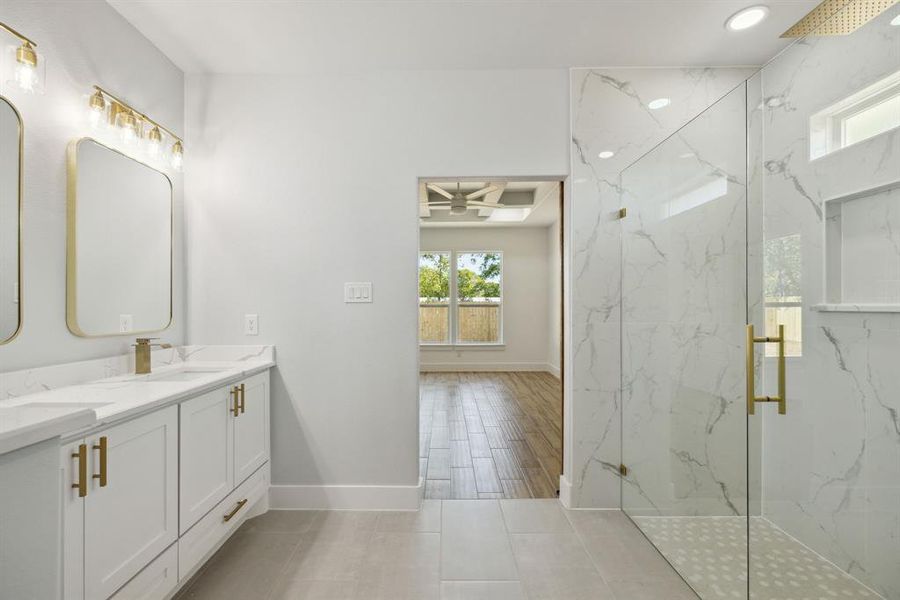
{"points": [[84, 43], [526, 304], [297, 184]]}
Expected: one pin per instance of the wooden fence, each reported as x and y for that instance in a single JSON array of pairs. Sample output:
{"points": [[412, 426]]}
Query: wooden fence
{"points": [[478, 322]]}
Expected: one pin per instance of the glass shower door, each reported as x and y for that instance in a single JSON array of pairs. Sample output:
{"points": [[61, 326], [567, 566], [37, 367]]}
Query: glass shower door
{"points": [[684, 318], [825, 134]]}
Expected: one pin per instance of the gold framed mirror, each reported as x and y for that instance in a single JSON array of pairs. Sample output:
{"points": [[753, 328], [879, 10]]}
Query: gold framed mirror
{"points": [[11, 163], [119, 246]]}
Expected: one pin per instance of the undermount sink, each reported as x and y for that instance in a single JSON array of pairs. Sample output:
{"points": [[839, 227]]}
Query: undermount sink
{"points": [[184, 375]]}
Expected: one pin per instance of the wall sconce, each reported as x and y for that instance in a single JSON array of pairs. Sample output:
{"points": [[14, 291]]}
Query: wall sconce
{"points": [[107, 110], [28, 66]]}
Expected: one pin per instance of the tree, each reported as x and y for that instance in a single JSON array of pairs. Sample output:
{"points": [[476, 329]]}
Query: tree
{"points": [[434, 277]]}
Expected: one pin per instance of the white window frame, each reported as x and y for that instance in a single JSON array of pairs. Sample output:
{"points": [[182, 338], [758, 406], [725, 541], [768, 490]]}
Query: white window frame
{"points": [[827, 127], [454, 302]]}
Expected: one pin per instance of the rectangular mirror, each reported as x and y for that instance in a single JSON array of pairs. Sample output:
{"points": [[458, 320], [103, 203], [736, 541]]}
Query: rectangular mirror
{"points": [[119, 246], [10, 221]]}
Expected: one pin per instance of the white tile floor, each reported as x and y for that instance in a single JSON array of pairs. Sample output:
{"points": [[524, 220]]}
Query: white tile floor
{"points": [[781, 568], [449, 550]]}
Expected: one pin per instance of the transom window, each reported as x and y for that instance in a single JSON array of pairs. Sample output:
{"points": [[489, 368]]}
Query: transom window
{"points": [[461, 297]]}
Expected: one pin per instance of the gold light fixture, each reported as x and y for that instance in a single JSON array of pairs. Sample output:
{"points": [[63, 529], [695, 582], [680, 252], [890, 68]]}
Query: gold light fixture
{"points": [[130, 125], [28, 65], [96, 108]]}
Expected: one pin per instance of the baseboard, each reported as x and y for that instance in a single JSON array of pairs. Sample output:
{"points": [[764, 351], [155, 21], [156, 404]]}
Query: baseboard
{"points": [[484, 367], [565, 491], [554, 370], [346, 497]]}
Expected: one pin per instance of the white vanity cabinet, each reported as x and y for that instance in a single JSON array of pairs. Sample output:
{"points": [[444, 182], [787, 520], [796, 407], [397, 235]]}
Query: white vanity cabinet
{"points": [[224, 439], [120, 502], [146, 501]]}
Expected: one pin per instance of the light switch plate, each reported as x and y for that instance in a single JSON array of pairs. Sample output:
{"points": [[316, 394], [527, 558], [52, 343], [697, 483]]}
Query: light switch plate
{"points": [[356, 292], [126, 323], [251, 324]]}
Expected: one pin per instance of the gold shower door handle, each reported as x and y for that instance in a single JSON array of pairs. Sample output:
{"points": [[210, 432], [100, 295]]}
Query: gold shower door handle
{"points": [[752, 398]]}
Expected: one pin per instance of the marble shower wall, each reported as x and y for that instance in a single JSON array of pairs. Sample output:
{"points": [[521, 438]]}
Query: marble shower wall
{"points": [[832, 465], [609, 113]]}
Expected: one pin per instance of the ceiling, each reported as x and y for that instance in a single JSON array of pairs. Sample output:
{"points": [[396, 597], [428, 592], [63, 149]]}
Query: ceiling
{"points": [[279, 36], [531, 204]]}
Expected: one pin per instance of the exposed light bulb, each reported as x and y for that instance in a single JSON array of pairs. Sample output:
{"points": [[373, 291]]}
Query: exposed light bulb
{"points": [[459, 209], [96, 108], [26, 75], [154, 142], [177, 155], [127, 125]]}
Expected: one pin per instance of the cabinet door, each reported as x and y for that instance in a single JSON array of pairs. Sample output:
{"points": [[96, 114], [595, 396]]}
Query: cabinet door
{"points": [[207, 472], [134, 517], [251, 428], [73, 518]]}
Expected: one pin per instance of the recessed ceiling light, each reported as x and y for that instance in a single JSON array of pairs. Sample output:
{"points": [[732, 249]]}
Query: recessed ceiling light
{"points": [[896, 21], [747, 18], [659, 103], [606, 154]]}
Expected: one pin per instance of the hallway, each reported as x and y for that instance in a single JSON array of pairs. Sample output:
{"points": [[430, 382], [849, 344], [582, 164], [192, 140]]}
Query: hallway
{"points": [[490, 435]]}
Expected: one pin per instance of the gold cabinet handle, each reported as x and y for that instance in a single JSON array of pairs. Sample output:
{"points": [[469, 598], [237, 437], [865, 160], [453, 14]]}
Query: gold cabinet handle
{"points": [[241, 391], [752, 398], [102, 447], [235, 510], [81, 455], [235, 408]]}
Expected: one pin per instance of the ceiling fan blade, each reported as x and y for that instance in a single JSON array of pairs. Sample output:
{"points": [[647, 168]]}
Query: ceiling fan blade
{"points": [[441, 191], [445, 206], [484, 204], [440, 203], [481, 192]]}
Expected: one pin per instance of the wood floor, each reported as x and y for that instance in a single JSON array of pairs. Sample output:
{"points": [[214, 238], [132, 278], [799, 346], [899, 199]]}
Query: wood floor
{"points": [[490, 435]]}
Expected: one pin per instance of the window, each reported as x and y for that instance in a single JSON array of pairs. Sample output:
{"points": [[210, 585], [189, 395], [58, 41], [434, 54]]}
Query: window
{"points": [[434, 298], [783, 293], [869, 112], [461, 297]]}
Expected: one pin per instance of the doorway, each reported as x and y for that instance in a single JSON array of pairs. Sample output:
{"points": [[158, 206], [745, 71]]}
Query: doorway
{"points": [[491, 321]]}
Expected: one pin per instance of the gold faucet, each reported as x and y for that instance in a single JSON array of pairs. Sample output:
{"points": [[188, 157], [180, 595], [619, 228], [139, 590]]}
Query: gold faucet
{"points": [[142, 354]]}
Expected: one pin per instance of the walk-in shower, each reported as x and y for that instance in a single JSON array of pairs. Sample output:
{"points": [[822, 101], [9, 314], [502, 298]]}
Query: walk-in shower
{"points": [[777, 206]]}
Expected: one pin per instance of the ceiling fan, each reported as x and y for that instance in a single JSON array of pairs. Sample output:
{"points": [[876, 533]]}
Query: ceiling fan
{"points": [[460, 203]]}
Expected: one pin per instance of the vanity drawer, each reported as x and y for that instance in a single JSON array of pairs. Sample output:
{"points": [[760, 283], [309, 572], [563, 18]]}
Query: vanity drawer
{"points": [[210, 531], [156, 581]]}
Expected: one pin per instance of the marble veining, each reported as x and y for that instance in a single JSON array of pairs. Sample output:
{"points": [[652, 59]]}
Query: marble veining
{"points": [[609, 112]]}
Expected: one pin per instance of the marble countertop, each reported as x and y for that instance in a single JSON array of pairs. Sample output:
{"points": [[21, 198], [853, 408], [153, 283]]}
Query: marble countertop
{"points": [[70, 410]]}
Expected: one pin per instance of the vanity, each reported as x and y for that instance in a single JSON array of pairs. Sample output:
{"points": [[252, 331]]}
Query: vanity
{"points": [[154, 471], [119, 476]]}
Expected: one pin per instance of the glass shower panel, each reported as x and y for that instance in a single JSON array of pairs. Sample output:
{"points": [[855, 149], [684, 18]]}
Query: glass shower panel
{"points": [[684, 316], [825, 164]]}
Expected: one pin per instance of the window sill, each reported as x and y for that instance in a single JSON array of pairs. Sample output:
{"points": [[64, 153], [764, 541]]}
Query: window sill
{"points": [[497, 346]]}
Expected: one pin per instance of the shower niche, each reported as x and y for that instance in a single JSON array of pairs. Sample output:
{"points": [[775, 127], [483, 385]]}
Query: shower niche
{"points": [[862, 251]]}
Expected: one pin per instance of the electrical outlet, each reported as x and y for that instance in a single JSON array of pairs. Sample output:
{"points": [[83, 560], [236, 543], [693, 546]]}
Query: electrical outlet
{"points": [[251, 324], [126, 323]]}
